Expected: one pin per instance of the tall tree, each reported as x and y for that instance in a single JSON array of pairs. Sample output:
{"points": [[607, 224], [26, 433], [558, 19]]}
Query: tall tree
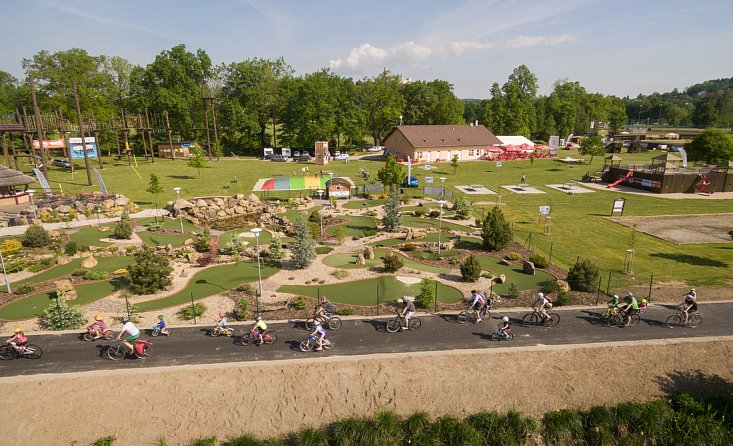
{"points": [[592, 146], [391, 174], [310, 114], [496, 232], [713, 146], [303, 247], [431, 103], [382, 103], [392, 213]]}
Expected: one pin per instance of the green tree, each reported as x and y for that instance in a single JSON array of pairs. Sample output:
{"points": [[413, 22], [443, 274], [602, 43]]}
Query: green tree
{"points": [[392, 213], [338, 234], [203, 240], [583, 276], [197, 159], [303, 247], [154, 188], [382, 103], [276, 249], [60, 316], [150, 273], [392, 174], [392, 262], [454, 163], [470, 268], [496, 232], [431, 103], [462, 207], [426, 297], [123, 228], [713, 146], [592, 146], [494, 110], [36, 237]]}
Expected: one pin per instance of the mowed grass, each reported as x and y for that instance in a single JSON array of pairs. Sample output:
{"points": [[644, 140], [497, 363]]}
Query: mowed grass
{"points": [[108, 264], [370, 291], [579, 225], [249, 237], [349, 261], [91, 236]]}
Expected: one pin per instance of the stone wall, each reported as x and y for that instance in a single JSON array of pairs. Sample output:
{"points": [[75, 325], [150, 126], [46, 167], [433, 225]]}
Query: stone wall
{"points": [[206, 210]]}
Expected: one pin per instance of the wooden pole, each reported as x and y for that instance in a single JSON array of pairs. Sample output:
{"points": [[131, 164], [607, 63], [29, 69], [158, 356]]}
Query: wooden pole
{"points": [[150, 136], [83, 140], [206, 123], [95, 128], [170, 141], [15, 155], [127, 140], [5, 151], [26, 137], [67, 148], [39, 126]]}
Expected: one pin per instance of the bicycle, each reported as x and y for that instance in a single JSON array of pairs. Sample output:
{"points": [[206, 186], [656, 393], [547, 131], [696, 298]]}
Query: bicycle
{"points": [[396, 324], [140, 349], [619, 318], [502, 336], [30, 351], [333, 322], [268, 337], [536, 318], [309, 343], [106, 335], [678, 320], [221, 331], [471, 315]]}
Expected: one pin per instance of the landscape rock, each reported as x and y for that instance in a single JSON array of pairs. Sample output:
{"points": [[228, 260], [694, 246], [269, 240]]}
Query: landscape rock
{"points": [[360, 259], [200, 203], [54, 233], [122, 201], [505, 262], [104, 229], [64, 209], [63, 260], [108, 204], [89, 262], [528, 267], [501, 278], [369, 252], [564, 286], [188, 241]]}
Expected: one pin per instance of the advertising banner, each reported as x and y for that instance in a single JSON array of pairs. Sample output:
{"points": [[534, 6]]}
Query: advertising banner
{"points": [[102, 187], [49, 144], [42, 180], [77, 151]]}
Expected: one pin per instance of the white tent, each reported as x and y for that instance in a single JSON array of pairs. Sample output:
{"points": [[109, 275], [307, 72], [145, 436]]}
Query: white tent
{"points": [[514, 140]]}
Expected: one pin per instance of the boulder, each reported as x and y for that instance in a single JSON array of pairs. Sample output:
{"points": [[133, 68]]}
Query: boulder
{"points": [[501, 278], [369, 252], [528, 267], [79, 205], [564, 286], [64, 209], [360, 259], [104, 229], [253, 198], [188, 241], [65, 289], [200, 203], [89, 262], [219, 202], [505, 262], [182, 204], [108, 204], [122, 201], [63, 260], [54, 233]]}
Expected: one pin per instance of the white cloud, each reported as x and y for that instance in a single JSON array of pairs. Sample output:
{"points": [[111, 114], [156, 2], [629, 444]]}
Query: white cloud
{"points": [[367, 57]]}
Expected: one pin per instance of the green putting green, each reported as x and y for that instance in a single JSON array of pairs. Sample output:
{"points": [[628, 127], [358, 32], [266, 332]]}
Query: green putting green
{"points": [[265, 237], [152, 239], [349, 261], [355, 225], [370, 291], [171, 224], [108, 264], [211, 281], [90, 236], [514, 273], [360, 204], [419, 222], [465, 243]]}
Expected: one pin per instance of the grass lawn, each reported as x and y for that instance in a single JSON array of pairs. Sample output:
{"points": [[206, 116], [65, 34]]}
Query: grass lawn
{"points": [[355, 225], [90, 236], [265, 237], [370, 291], [361, 204], [153, 239], [421, 222], [172, 224], [108, 264], [348, 261], [514, 275], [211, 281]]}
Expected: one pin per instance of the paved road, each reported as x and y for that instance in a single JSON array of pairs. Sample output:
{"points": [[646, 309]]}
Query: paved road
{"points": [[68, 353]]}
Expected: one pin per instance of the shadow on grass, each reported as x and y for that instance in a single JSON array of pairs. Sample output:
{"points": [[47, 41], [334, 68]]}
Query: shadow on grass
{"points": [[694, 382], [182, 177], [206, 282], [691, 259]]}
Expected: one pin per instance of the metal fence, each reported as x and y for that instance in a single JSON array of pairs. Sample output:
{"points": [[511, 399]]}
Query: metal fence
{"points": [[439, 191]]}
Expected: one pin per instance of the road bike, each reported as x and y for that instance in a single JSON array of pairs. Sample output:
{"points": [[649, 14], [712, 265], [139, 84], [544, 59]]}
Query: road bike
{"points": [[502, 335], [333, 322], [106, 335], [310, 343], [471, 315], [141, 350], [268, 337], [678, 320], [619, 318], [30, 351], [221, 331], [536, 318], [395, 324]]}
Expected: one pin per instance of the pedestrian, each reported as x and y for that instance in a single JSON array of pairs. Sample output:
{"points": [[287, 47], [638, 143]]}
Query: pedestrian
{"points": [[524, 179]]}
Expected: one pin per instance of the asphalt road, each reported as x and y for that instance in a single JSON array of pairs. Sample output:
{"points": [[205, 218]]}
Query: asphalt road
{"points": [[66, 353]]}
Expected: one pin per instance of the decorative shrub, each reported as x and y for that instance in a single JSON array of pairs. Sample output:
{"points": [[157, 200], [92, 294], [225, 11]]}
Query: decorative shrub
{"points": [[202, 242], [205, 260], [454, 260], [550, 286], [487, 275], [434, 213], [16, 263], [242, 307], [36, 237], [323, 249], [190, 311], [393, 262], [96, 275], [513, 291], [60, 316], [151, 272], [340, 274], [426, 297], [10, 247], [71, 248], [345, 311], [42, 264], [300, 303], [123, 229], [539, 261], [583, 276], [496, 233], [79, 272], [563, 299], [120, 272], [24, 288], [370, 232], [470, 268], [409, 247], [419, 212], [513, 256]]}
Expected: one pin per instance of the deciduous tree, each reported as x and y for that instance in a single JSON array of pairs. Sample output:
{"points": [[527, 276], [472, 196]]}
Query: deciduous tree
{"points": [[713, 146], [150, 273]]}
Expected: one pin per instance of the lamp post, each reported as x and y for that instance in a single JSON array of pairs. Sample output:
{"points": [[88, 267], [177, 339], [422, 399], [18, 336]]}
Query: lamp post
{"points": [[256, 232], [33, 207], [442, 187], [178, 198], [440, 222], [5, 274], [320, 211]]}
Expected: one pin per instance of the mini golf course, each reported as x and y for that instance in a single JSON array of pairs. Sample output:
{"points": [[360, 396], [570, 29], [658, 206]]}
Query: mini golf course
{"points": [[248, 237], [108, 264], [370, 292], [348, 261], [513, 274]]}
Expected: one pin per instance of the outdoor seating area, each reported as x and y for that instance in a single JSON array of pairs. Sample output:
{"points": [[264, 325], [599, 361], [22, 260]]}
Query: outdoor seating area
{"points": [[476, 189], [513, 152]]}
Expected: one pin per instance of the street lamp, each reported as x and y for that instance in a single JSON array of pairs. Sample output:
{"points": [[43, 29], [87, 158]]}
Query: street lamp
{"points": [[256, 232], [320, 211], [440, 222], [178, 198], [442, 187], [5, 274], [33, 208]]}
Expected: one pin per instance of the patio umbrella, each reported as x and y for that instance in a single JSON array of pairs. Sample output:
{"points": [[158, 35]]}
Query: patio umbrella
{"points": [[495, 150]]}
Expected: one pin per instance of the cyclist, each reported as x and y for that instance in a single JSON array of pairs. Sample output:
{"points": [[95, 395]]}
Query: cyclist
{"points": [[325, 309], [505, 328], [613, 303], [642, 305], [259, 328], [689, 304], [477, 302], [407, 311], [221, 323], [98, 327], [163, 326], [320, 333], [543, 304], [18, 340], [692, 293], [630, 307], [131, 331]]}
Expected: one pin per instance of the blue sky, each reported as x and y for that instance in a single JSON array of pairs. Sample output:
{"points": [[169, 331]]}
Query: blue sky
{"points": [[613, 47]]}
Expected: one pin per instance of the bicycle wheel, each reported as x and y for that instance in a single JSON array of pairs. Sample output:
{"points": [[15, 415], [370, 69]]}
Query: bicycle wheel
{"points": [[495, 337], [214, 332], [145, 353], [552, 320], [33, 351], [394, 325], [246, 339], [116, 352], [88, 336], [486, 315], [309, 323], [7, 352], [415, 323], [155, 332], [509, 336], [530, 319], [229, 332], [674, 321], [328, 345], [306, 346], [270, 337], [334, 323], [464, 316], [634, 319], [613, 320], [694, 320]]}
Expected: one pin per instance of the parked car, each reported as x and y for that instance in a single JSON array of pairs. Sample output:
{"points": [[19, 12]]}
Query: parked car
{"points": [[58, 162], [305, 156], [411, 182], [278, 158], [375, 149], [341, 157], [266, 157], [296, 154]]}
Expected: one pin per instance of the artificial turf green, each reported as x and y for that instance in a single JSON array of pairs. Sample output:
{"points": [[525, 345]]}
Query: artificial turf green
{"points": [[108, 264]]}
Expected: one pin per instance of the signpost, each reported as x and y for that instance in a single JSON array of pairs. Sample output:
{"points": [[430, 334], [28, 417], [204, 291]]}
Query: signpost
{"points": [[618, 206]]}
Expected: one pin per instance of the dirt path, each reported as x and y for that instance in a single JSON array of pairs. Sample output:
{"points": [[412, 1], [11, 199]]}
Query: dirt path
{"points": [[185, 403]]}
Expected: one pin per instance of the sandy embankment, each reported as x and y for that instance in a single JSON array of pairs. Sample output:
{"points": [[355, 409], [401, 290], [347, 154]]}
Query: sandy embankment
{"points": [[188, 402]]}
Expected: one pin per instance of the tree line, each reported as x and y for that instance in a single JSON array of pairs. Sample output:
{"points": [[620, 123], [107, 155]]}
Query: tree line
{"points": [[262, 102]]}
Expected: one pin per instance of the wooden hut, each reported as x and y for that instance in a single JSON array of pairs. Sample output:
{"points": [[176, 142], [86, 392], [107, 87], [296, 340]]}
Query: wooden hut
{"points": [[339, 187], [13, 186]]}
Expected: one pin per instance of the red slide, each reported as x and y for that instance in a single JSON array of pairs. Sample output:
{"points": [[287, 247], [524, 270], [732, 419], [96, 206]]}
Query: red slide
{"points": [[628, 174]]}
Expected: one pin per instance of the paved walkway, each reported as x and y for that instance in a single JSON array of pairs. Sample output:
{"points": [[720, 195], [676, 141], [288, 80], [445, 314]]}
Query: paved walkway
{"points": [[18, 230]]}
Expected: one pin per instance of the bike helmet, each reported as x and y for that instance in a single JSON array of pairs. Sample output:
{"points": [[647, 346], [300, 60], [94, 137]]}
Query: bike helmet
{"points": [[505, 319], [124, 319], [97, 318], [222, 314], [160, 317], [629, 294], [615, 296], [540, 295], [692, 289], [316, 323], [399, 300], [17, 330], [643, 301], [258, 318]]}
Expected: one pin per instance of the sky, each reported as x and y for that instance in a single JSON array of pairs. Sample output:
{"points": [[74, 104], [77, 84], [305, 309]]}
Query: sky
{"points": [[622, 47]]}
